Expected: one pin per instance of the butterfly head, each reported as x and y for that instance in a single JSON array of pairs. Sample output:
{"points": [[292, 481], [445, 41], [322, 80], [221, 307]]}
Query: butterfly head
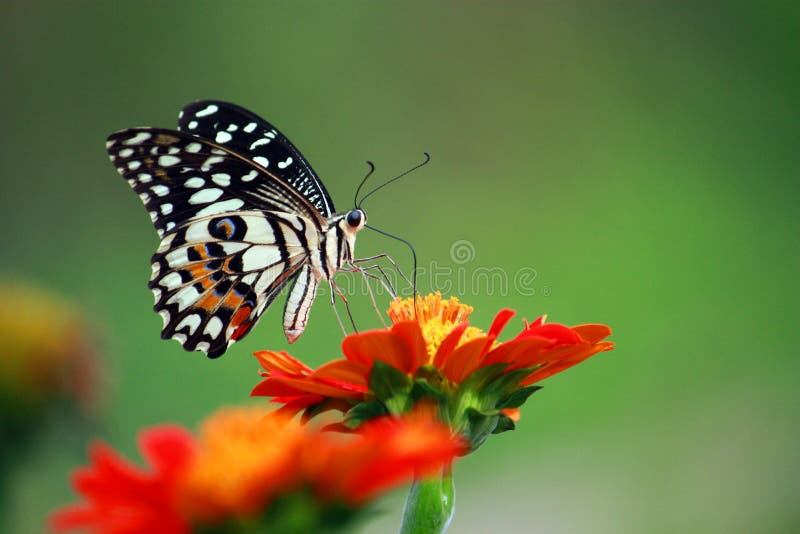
{"points": [[356, 219]]}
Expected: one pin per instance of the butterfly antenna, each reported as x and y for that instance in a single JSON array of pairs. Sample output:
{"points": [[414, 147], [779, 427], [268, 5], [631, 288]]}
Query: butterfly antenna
{"points": [[369, 173], [384, 184], [413, 255]]}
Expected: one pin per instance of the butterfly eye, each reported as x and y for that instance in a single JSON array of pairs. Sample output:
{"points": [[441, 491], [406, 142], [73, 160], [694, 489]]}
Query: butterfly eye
{"points": [[354, 218]]}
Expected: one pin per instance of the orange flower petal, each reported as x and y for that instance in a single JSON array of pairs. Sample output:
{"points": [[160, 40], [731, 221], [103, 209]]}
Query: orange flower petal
{"points": [[388, 347], [465, 359], [516, 351], [449, 344], [348, 371], [500, 321], [415, 344], [307, 386], [592, 333], [281, 362]]}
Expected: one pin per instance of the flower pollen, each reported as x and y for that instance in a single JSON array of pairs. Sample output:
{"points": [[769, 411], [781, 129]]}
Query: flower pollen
{"points": [[436, 317]]}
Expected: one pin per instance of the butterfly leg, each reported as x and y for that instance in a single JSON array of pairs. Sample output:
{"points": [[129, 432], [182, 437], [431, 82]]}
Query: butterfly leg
{"points": [[335, 287], [384, 279], [346, 307], [335, 311], [367, 277], [392, 262]]}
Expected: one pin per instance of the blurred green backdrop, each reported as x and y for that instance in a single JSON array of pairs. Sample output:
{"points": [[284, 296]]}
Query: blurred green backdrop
{"points": [[643, 159]]}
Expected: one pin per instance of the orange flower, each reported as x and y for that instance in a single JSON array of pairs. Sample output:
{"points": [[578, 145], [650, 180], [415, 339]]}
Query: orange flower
{"points": [[245, 465], [123, 499], [432, 352]]}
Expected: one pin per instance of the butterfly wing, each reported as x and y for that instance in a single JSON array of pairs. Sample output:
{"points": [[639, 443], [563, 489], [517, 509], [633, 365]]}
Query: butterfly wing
{"points": [[242, 131], [179, 176], [214, 276], [223, 220]]}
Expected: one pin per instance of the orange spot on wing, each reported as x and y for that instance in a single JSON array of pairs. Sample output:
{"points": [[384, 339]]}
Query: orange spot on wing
{"points": [[198, 270], [208, 302], [232, 300], [201, 251], [240, 323]]}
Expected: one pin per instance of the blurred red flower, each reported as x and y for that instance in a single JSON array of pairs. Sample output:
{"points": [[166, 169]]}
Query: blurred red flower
{"points": [[242, 462]]}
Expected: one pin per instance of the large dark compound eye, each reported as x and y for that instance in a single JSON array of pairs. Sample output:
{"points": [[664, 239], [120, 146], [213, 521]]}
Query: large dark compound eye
{"points": [[354, 218]]}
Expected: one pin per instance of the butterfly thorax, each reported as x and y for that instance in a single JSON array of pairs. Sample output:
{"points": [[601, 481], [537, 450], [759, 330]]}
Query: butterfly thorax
{"points": [[337, 246]]}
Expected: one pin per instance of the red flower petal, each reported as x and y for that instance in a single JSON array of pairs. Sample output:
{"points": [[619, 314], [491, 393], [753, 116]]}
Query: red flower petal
{"points": [[123, 499], [449, 344], [500, 321], [593, 333], [415, 344], [389, 347], [281, 362], [465, 359]]}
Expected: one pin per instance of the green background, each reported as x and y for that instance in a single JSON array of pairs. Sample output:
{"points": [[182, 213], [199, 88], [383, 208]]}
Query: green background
{"points": [[643, 159]]}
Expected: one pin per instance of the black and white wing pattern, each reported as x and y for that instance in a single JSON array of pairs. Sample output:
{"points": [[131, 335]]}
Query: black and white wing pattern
{"points": [[233, 232], [214, 276], [244, 132]]}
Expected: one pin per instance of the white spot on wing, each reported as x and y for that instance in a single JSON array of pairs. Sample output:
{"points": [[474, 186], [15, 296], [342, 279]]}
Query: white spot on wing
{"points": [[166, 161], [126, 152], [193, 147], [213, 327], [194, 183], [192, 321], [137, 139], [264, 162], [210, 110], [211, 161], [259, 142], [170, 280], [223, 137], [220, 207], [259, 257], [250, 176], [160, 189], [166, 208], [185, 297], [135, 164], [250, 127], [192, 125], [180, 338], [204, 196], [284, 164], [221, 179], [144, 177]]}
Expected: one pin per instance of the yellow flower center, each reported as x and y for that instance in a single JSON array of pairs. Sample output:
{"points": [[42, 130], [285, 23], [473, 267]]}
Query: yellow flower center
{"points": [[436, 318]]}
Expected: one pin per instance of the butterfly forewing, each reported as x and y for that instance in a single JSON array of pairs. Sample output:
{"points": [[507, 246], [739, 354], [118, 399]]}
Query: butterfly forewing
{"points": [[179, 176], [240, 130]]}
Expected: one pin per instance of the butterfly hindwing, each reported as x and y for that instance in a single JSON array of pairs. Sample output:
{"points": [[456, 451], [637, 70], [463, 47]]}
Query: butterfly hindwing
{"points": [[214, 276], [242, 131], [179, 177]]}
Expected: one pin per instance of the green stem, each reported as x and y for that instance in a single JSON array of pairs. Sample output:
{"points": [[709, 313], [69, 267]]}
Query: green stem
{"points": [[430, 505]]}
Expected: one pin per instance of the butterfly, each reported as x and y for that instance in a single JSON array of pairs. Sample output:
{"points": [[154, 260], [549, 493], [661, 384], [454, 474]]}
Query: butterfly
{"points": [[240, 214]]}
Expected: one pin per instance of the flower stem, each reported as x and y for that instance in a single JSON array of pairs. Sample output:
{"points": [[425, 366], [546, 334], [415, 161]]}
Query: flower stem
{"points": [[430, 505]]}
